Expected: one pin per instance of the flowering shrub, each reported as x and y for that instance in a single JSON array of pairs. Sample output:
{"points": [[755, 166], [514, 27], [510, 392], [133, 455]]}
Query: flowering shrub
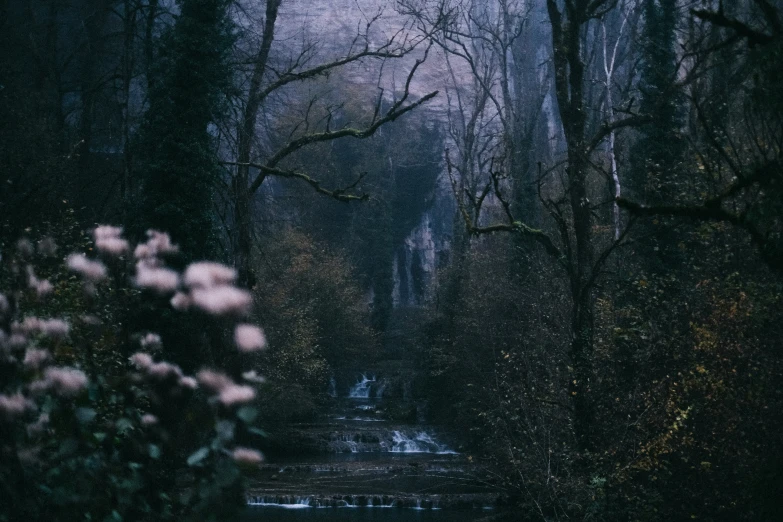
{"points": [[84, 439]]}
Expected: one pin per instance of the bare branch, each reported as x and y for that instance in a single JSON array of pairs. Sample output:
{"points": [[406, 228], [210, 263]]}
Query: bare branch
{"points": [[338, 194]]}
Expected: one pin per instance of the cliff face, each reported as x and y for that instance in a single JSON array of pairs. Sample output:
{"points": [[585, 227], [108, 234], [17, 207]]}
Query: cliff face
{"points": [[325, 29]]}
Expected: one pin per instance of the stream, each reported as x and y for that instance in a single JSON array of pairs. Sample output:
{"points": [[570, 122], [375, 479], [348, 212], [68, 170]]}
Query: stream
{"points": [[354, 464]]}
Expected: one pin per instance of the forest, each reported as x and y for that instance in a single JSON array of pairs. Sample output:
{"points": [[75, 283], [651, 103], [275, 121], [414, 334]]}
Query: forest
{"points": [[497, 260]]}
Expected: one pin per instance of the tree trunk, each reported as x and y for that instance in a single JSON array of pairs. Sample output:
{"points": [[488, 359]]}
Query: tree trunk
{"points": [[243, 241], [569, 89]]}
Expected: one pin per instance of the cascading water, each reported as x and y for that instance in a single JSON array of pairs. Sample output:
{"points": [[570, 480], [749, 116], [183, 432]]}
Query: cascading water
{"points": [[286, 502], [420, 442], [362, 388], [367, 455]]}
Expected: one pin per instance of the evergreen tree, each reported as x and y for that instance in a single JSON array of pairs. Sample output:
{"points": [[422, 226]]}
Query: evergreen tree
{"points": [[187, 93], [656, 154]]}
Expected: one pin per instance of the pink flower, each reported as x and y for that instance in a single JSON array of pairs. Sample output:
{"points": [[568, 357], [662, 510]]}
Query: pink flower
{"points": [[67, 381], [236, 394], [91, 270], [17, 340], [252, 376], [148, 419], [106, 232], [52, 327], [215, 381], [112, 245], [34, 358], [15, 404], [4, 305], [249, 338], [109, 241], [180, 301], [151, 341], [141, 360], [159, 279], [188, 382], [143, 251], [247, 456], [163, 370], [207, 274], [160, 243], [28, 325], [220, 300], [43, 288]]}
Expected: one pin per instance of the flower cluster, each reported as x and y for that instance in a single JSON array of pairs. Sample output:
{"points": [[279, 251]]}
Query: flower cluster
{"points": [[206, 287]]}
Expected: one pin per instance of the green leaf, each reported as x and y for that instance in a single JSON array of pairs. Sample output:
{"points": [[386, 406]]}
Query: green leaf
{"points": [[154, 451], [124, 425], [99, 436], [198, 456], [247, 413], [258, 431], [85, 415]]}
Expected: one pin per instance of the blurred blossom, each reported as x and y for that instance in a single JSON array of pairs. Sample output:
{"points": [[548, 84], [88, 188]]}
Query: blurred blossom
{"points": [[91, 270], [163, 370], [52, 327], [159, 279], [108, 240], [221, 300], [252, 376], [249, 338], [107, 232], [213, 380], [206, 274], [180, 301], [34, 358], [148, 419], [67, 381], [17, 340], [151, 341], [113, 245], [11, 405], [41, 287], [247, 456], [236, 394], [188, 382], [141, 360]]}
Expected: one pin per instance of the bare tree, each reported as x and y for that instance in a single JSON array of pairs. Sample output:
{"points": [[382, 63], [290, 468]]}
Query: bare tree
{"points": [[575, 241], [266, 78]]}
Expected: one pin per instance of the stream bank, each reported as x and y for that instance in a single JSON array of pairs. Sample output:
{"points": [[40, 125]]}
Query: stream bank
{"points": [[363, 461]]}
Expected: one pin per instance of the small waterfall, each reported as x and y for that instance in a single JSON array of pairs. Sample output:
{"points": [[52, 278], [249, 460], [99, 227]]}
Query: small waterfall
{"points": [[362, 388], [421, 442], [332, 387], [285, 502]]}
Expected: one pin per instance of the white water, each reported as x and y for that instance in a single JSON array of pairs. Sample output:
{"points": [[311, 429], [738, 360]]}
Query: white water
{"points": [[285, 503], [362, 388], [421, 442]]}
